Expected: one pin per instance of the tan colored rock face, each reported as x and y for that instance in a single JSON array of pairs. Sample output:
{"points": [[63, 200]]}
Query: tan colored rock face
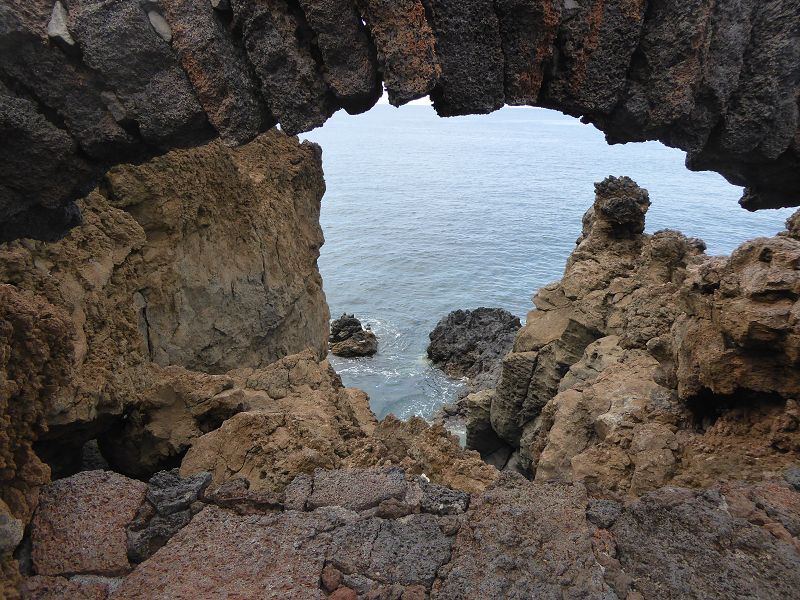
{"points": [[80, 524], [229, 273], [204, 259], [297, 417], [693, 378]]}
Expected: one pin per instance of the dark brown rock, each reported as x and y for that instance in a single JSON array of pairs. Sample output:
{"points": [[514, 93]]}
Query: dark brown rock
{"points": [[351, 66], [217, 70], [148, 89], [277, 40], [468, 44], [80, 524], [406, 47], [528, 30]]}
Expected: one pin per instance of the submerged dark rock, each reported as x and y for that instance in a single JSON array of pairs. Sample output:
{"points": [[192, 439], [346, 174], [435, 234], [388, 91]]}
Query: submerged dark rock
{"points": [[349, 339]]}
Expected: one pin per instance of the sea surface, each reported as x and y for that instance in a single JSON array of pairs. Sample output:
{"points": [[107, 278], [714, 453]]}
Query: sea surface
{"points": [[425, 215]]}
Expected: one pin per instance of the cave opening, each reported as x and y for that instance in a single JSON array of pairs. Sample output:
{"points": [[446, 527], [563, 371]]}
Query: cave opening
{"points": [[424, 215]]}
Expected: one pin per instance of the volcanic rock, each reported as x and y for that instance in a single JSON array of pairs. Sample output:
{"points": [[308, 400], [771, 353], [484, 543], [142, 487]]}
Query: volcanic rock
{"points": [[472, 344], [714, 79], [405, 45], [79, 526], [646, 364], [516, 538], [156, 274], [349, 339]]}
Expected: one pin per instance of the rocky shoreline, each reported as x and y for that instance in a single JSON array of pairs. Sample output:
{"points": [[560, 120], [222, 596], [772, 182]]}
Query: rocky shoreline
{"points": [[643, 435]]}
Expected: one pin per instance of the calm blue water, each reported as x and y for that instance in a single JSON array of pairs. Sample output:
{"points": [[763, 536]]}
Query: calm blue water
{"points": [[426, 215]]}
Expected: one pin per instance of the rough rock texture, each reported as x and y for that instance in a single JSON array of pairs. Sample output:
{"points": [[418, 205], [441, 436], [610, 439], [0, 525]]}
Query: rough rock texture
{"points": [[296, 417], [517, 539], [279, 47], [405, 46], [651, 363], [79, 526], [351, 68], [524, 540], [203, 258], [467, 34], [239, 288], [35, 351], [168, 508], [472, 344], [349, 339], [716, 79], [420, 448]]}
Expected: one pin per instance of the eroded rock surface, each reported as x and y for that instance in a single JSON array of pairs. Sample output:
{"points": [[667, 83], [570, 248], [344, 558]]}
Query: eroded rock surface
{"points": [[716, 79], [413, 540], [184, 261], [651, 363]]}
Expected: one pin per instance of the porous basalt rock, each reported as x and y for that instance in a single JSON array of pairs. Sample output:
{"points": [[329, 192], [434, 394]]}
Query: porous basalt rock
{"points": [[472, 344], [351, 68], [716, 79], [647, 364], [349, 339], [406, 49], [515, 539], [79, 526]]}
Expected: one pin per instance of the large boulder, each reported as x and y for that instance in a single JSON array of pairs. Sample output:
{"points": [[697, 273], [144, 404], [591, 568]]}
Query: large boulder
{"points": [[80, 524], [472, 344]]}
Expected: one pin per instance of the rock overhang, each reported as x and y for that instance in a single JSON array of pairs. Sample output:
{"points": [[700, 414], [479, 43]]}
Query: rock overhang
{"points": [[716, 79]]}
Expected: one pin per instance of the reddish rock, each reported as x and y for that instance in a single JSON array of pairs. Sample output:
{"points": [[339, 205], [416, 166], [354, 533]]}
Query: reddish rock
{"points": [[43, 587], [406, 47], [221, 555], [343, 593], [80, 524]]}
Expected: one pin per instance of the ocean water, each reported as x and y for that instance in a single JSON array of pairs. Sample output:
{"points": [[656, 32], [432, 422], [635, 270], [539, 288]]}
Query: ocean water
{"points": [[424, 215]]}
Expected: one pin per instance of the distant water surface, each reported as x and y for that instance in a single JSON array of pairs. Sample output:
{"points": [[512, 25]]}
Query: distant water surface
{"points": [[424, 215]]}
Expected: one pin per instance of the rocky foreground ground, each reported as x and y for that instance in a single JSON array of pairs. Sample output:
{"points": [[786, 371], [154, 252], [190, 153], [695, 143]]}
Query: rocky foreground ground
{"points": [[382, 534], [647, 412]]}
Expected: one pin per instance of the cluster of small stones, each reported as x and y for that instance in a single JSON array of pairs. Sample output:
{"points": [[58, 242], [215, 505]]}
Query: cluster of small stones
{"points": [[86, 84]]}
